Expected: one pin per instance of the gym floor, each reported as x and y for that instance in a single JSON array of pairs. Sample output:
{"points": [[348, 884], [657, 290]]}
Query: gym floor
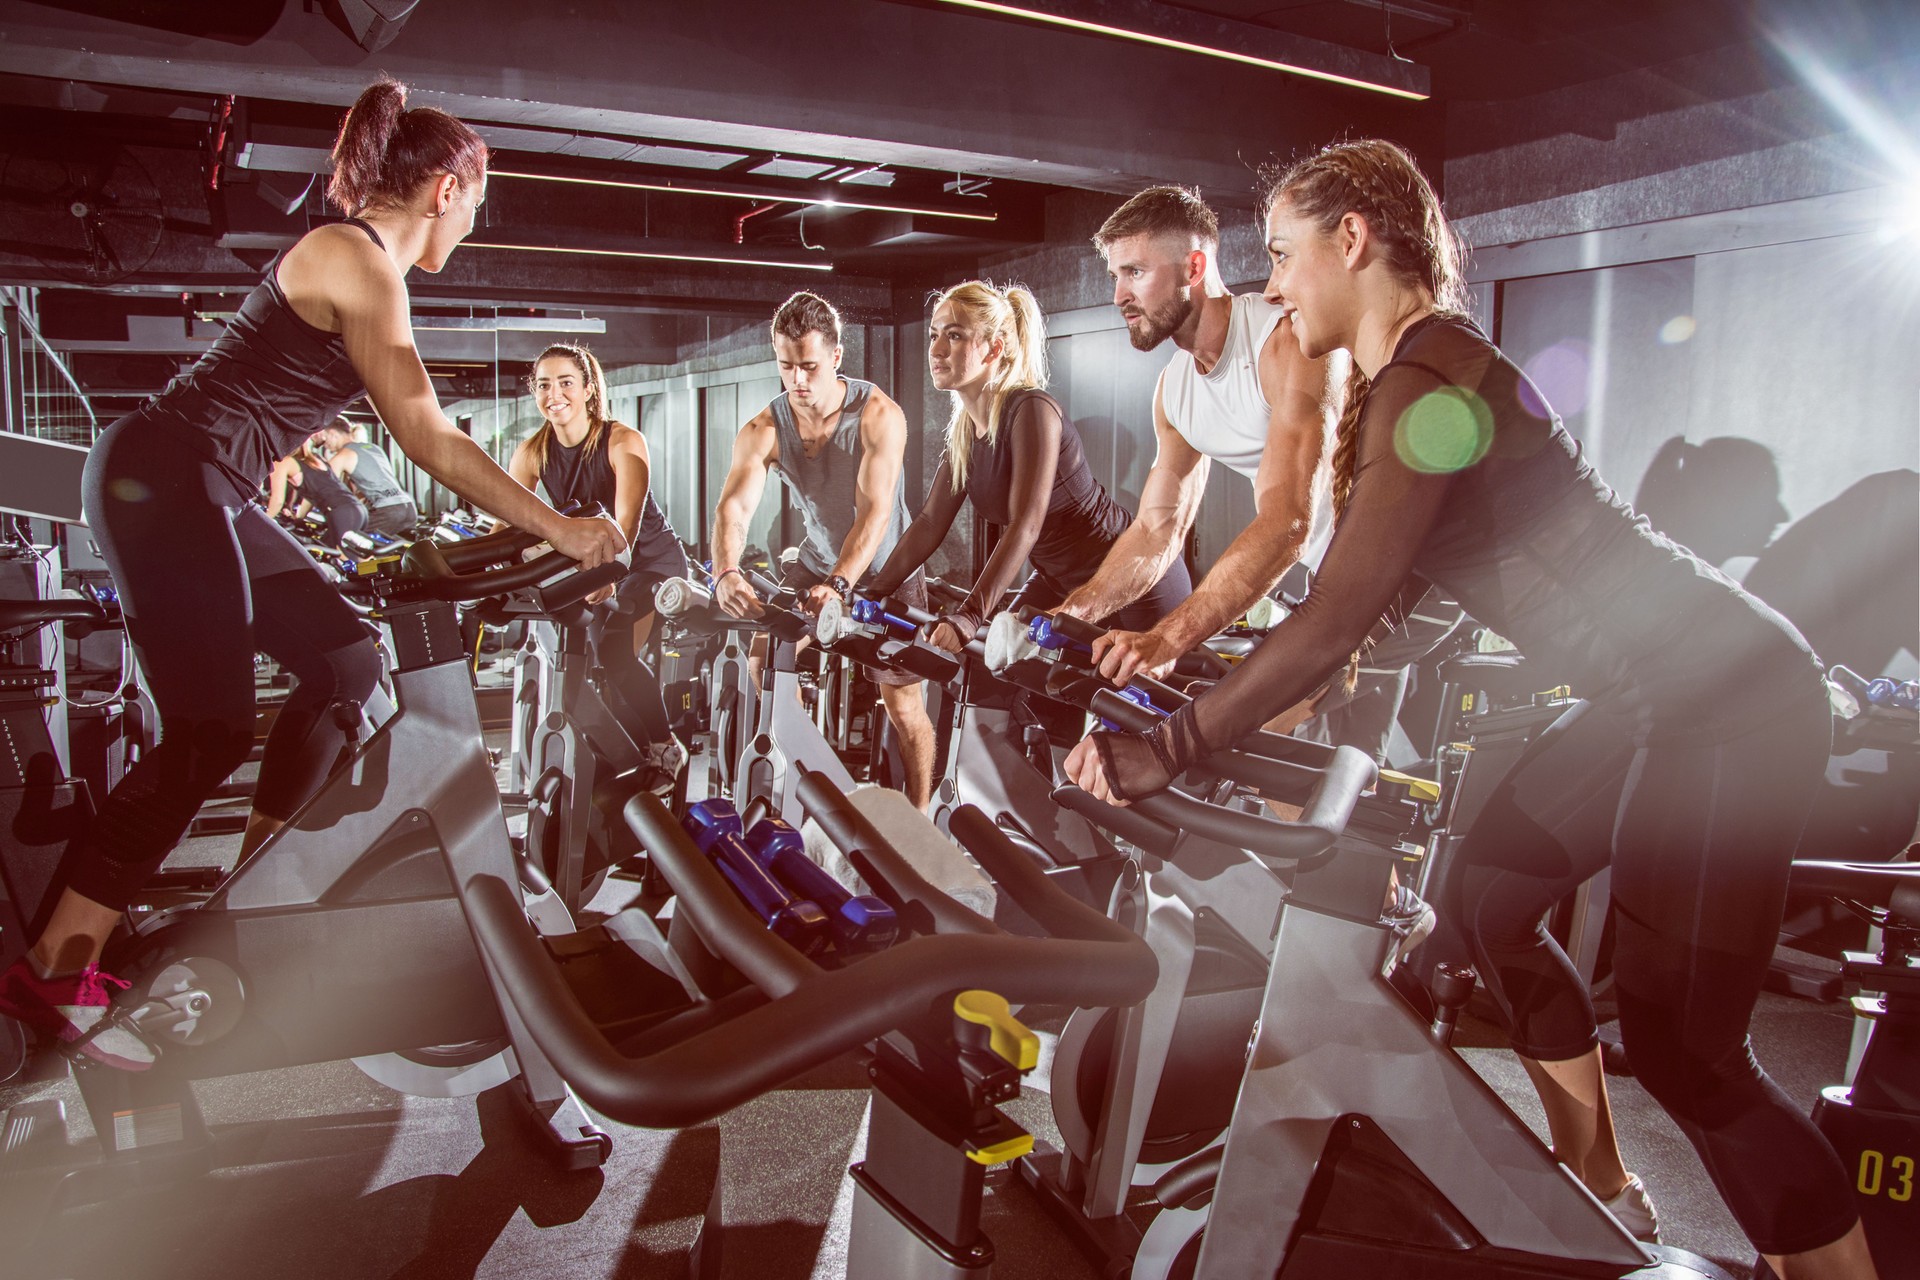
{"points": [[324, 1173]]}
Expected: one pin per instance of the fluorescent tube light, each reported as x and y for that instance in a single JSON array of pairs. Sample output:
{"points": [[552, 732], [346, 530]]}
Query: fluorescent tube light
{"points": [[1414, 76]]}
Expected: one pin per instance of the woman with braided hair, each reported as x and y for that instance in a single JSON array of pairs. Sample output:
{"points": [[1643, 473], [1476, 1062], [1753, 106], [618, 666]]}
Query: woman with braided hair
{"points": [[205, 578], [1016, 456], [1705, 711]]}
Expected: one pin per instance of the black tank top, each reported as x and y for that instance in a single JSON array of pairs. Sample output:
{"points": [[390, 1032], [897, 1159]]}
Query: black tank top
{"points": [[573, 473], [1538, 547], [1082, 521], [324, 490], [269, 382]]}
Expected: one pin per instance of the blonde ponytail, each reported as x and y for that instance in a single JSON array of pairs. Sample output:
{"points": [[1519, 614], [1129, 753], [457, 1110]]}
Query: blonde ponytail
{"points": [[1013, 317]]}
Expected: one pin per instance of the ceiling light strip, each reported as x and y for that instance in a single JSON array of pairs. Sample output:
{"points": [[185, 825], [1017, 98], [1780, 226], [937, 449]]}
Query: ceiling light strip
{"points": [[1185, 46], [641, 253], [681, 189]]}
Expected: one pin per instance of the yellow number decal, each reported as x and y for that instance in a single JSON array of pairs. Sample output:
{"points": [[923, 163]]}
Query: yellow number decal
{"points": [[1903, 1165], [1872, 1165]]}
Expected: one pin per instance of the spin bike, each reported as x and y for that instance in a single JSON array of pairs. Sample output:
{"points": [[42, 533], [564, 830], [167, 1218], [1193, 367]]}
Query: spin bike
{"points": [[346, 934]]}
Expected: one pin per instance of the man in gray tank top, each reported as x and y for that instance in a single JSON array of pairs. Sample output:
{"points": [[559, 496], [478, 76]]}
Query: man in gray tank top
{"points": [[840, 444], [366, 467]]}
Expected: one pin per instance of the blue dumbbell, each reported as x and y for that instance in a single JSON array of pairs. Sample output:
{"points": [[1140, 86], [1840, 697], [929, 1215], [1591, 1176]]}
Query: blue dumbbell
{"points": [[716, 831], [861, 922]]}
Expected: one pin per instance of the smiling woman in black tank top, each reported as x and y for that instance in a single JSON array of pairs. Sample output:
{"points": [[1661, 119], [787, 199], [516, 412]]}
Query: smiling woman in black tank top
{"points": [[580, 455], [1013, 452], [205, 578]]}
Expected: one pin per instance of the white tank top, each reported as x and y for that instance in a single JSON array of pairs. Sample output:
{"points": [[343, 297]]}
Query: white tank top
{"points": [[1224, 413]]}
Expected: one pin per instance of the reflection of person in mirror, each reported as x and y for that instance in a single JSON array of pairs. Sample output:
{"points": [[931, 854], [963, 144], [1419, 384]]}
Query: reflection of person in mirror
{"points": [[303, 477], [1012, 452], [840, 443], [580, 455], [365, 466]]}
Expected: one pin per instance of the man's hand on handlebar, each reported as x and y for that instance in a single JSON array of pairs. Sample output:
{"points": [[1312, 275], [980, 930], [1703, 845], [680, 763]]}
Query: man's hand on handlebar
{"points": [[736, 596], [816, 596], [592, 541], [950, 631], [1122, 655], [1117, 767]]}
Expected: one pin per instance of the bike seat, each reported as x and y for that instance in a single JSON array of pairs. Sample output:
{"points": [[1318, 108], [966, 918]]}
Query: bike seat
{"points": [[1498, 675], [1232, 646], [1871, 883]]}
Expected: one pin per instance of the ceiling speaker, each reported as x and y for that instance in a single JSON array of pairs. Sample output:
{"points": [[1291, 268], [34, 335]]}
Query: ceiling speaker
{"points": [[372, 24]]}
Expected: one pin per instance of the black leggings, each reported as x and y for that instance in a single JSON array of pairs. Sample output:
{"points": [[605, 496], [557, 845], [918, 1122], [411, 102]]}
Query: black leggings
{"points": [[205, 579], [1700, 838]]}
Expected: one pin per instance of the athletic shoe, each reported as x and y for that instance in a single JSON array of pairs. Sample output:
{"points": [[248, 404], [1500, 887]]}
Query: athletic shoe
{"points": [[1633, 1209], [668, 757], [1411, 918], [68, 1006]]}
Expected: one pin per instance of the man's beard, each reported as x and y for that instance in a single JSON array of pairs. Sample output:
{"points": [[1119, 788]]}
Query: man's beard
{"points": [[1155, 327]]}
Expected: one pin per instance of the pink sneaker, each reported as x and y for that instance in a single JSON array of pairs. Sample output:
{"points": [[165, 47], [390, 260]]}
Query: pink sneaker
{"points": [[67, 1007]]}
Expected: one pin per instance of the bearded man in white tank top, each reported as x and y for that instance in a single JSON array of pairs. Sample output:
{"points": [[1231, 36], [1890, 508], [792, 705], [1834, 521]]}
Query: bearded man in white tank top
{"points": [[1239, 391]]}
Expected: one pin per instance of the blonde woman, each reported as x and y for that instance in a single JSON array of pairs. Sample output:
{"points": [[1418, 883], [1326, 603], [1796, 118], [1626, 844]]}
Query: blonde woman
{"points": [[1015, 454]]}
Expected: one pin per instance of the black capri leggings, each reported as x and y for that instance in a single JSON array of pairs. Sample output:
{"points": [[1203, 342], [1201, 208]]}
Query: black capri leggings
{"points": [[205, 579], [1700, 838]]}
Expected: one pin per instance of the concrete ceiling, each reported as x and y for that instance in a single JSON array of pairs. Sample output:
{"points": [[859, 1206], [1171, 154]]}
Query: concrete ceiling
{"points": [[190, 128]]}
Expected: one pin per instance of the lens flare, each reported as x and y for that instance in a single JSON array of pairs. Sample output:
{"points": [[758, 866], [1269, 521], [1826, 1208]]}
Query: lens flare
{"points": [[1444, 431]]}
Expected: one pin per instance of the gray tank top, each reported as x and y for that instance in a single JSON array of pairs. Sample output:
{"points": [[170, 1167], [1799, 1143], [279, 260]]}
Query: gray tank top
{"points": [[825, 487], [373, 477]]}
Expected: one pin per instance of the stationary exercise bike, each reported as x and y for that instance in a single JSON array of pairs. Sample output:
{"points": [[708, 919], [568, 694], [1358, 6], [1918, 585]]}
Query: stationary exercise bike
{"points": [[1872, 1118], [345, 935], [1361, 1144]]}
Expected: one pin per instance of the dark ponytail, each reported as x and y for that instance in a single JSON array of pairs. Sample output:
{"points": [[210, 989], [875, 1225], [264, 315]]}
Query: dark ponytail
{"points": [[385, 152]]}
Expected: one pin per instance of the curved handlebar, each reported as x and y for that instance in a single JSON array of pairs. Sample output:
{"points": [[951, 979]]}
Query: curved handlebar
{"points": [[473, 553], [1302, 843], [32, 613], [689, 1071]]}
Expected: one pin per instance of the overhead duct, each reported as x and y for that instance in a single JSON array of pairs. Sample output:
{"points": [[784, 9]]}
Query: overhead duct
{"points": [[372, 24]]}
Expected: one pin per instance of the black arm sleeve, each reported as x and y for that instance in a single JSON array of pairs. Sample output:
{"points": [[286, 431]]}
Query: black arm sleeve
{"points": [[1034, 434], [1392, 508], [923, 537]]}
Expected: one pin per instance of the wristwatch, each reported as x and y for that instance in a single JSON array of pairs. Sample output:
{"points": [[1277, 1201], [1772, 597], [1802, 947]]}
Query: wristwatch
{"points": [[840, 586]]}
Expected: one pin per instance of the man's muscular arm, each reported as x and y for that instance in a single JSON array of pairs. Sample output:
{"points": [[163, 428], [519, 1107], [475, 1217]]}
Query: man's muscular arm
{"points": [[754, 450], [883, 456], [1298, 432], [1169, 502]]}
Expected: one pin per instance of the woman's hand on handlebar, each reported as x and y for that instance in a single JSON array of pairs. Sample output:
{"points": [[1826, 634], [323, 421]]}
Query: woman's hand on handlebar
{"points": [[1121, 767], [1122, 655], [950, 631], [592, 541], [736, 596]]}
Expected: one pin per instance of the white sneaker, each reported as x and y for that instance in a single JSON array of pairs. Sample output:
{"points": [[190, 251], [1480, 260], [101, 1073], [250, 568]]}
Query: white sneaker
{"points": [[669, 757], [1412, 919], [1633, 1209]]}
